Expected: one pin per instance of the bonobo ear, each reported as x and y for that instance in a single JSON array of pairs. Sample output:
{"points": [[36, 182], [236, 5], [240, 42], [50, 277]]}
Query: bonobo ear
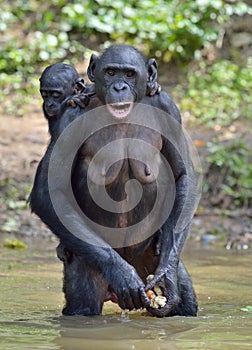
{"points": [[152, 70], [91, 68], [79, 86], [152, 86]]}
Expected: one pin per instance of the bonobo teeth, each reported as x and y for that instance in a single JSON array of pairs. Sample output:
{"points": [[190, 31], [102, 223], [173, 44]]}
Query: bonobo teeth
{"points": [[120, 110]]}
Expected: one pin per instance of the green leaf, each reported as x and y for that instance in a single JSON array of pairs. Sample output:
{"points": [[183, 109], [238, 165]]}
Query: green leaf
{"points": [[247, 308], [15, 244]]}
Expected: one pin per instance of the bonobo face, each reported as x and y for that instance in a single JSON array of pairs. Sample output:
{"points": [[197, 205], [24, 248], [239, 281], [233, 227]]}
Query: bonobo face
{"points": [[57, 83], [53, 95], [120, 77]]}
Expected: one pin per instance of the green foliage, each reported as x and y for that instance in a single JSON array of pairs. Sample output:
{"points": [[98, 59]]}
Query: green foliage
{"points": [[14, 195], [38, 33], [13, 201], [248, 308], [218, 94], [233, 163], [15, 244], [10, 225], [176, 30], [29, 40]]}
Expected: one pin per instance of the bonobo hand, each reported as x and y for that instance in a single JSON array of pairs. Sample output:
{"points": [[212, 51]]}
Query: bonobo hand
{"points": [[63, 253], [128, 287], [81, 100], [153, 88], [167, 280]]}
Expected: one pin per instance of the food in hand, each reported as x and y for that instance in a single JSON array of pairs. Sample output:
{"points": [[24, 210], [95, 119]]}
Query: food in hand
{"points": [[150, 294], [157, 299]]}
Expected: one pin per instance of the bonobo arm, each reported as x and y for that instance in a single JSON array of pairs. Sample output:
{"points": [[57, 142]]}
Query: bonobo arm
{"points": [[164, 102], [171, 242], [121, 276]]}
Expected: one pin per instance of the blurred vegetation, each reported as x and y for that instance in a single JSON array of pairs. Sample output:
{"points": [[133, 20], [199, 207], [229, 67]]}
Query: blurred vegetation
{"points": [[231, 173], [221, 82], [247, 308], [35, 34], [56, 29], [15, 244]]}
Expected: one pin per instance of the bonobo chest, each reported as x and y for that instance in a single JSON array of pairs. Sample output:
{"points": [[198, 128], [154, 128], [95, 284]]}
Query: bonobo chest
{"points": [[129, 150]]}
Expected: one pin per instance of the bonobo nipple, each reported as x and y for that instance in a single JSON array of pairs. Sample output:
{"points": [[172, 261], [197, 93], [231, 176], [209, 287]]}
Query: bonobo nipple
{"points": [[147, 170]]}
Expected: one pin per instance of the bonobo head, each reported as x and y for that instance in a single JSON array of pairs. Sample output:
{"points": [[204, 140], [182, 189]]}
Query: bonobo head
{"points": [[58, 82], [121, 76]]}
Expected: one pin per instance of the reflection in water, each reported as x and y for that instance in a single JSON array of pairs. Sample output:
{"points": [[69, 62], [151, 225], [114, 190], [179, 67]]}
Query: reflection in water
{"points": [[31, 303], [113, 332]]}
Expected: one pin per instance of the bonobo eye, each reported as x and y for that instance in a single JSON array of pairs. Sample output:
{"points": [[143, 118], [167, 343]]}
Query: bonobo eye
{"points": [[130, 73], [56, 94], [43, 93], [110, 72]]}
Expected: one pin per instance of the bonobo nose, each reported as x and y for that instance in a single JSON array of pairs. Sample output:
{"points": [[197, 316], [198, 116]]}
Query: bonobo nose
{"points": [[50, 103], [119, 86]]}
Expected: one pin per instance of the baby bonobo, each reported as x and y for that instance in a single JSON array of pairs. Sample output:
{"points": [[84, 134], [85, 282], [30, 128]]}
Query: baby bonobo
{"points": [[58, 83]]}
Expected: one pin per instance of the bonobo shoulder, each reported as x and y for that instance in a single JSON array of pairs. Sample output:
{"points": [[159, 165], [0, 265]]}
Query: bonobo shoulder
{"points": [[68, 115], [74, 107], [164, 102]]}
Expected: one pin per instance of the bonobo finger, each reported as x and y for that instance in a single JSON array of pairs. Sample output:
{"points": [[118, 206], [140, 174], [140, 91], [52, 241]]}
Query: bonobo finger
{"points": [[125, 301], [154, 281], [144, 298], [136, 297], [71, 103], [121, 302], [129, 304]]}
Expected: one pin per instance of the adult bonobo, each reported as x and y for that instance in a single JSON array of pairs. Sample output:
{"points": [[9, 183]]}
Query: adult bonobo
{"points": [[120, 152], [57, 83]]}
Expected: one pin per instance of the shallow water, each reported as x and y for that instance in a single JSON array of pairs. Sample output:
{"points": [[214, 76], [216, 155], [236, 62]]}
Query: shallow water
{"points": [[31, 301]]}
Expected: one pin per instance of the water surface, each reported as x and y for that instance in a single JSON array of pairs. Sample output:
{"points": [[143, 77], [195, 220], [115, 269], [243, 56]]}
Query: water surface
{"points": [[31, 301]]}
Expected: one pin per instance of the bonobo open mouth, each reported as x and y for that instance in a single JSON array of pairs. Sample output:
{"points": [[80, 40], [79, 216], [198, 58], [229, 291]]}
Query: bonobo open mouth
{"points": [[52, 114], [120, 110]]}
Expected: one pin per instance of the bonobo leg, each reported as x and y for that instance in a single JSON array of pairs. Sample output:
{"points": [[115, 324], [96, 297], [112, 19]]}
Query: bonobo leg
{"points": [[84, 288]]}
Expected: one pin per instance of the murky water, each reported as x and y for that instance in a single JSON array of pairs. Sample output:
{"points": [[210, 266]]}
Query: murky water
{"points": [[31, 303]]}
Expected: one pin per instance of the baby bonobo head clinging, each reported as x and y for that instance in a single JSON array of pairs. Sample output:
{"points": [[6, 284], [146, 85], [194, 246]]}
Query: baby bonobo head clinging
{"points": [[57, 83]]}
